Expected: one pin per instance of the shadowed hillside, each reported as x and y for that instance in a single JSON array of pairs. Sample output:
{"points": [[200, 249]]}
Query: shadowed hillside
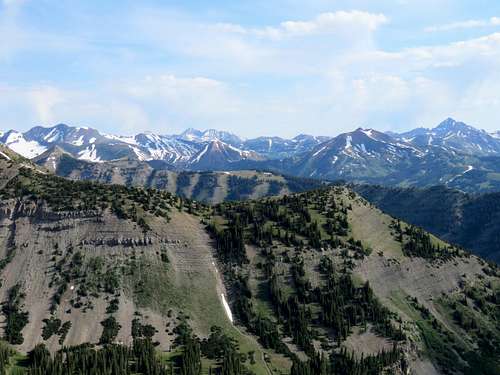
{"points": [[209, 187]]}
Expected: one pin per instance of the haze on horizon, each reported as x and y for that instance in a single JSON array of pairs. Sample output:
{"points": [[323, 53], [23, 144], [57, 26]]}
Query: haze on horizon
{"points": [[249, 67]]}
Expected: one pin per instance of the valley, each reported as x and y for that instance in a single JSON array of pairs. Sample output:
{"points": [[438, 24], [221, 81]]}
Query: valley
{"points": [[249, 187]]}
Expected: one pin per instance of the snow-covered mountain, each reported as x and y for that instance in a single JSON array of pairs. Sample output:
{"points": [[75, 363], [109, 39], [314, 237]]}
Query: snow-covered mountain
{"points": [[18, 143], [190, 149], [149, 146], [363, 152], [198, 136], [451, 153], [453, 136], [218, 155], [279, 148]]}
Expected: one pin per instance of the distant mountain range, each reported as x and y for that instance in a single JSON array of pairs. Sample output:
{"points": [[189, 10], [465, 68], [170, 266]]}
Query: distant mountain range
{"points": [[452, 154], [193, 149]]}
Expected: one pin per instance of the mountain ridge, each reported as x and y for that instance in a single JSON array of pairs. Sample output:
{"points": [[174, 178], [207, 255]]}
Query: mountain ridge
{"points": [[206, 186]]}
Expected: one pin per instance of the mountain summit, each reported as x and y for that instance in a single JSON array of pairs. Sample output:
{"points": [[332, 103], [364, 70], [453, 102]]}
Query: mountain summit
{"points": [[455, 136]]}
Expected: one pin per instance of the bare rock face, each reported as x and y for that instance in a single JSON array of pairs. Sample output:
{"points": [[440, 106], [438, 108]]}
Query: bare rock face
{"points": [[63, 262]]}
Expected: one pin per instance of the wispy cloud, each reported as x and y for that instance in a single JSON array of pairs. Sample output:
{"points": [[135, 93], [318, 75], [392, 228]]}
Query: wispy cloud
{"points": [[324, 23], [468, 24], [163, 103]]}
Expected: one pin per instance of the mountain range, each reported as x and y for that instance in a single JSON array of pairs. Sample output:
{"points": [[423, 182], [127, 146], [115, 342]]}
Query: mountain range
{"points": [[192, 149], [452, 154]]}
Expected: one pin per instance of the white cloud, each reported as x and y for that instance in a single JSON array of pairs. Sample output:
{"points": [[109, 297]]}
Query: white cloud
{"points": [[324, 23], [323, 74], [468, 24], [164, 104], [44, 100], [388, 90], [289, 48], [332, 22]]}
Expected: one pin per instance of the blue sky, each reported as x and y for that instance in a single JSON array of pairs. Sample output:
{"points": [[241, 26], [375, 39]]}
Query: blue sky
{"points": [[258, 67]]}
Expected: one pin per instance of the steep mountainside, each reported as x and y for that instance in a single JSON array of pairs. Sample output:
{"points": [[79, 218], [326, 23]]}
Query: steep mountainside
{"points": [[472, 221], [452, 154], [334, 272], [316, 283], [218, 155], [87, 263], [364, 153], [210, 187]]}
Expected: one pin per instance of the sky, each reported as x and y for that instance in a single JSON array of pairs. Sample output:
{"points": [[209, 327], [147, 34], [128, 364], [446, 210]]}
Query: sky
{"points": [[258, 67]]}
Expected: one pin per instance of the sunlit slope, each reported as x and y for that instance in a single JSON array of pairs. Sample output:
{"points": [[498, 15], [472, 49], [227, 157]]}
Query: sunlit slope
{"points": [[332, 273]]}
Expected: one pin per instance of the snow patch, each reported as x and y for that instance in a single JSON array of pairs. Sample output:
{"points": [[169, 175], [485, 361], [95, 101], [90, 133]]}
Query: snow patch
{"points": [[129, 140], [52, 136], [319, 151], [78, 142], [348, 142], [29, 149], [203, 152], [5, 156], [140, 155], [89, 154], [227, 308], [469, 168], [368, 132]]}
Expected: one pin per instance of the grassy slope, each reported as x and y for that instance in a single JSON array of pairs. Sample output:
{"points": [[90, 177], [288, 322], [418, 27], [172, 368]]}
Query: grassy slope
{"points": [[191, 284], [395, 278]]}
